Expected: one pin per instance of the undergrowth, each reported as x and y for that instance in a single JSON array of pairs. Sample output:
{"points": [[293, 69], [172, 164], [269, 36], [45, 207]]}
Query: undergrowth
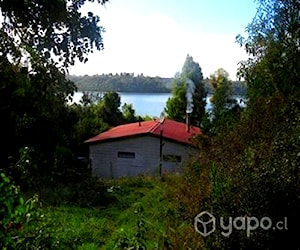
{"points": [[141, 214]]}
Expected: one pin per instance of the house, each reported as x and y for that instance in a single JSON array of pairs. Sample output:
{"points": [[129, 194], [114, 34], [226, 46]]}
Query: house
{"points": [[148, 147]]}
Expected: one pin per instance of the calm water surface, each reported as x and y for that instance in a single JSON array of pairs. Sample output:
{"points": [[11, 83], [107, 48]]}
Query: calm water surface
{"points": [[144, 103]]}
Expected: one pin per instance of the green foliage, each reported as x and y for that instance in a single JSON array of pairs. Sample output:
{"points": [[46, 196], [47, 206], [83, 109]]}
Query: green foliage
{"points": [[12, 210], [25, 170], [17, 217], [88, 119], [94, 117], [146, 118], [55, 27], [138, 240], [252, 168], [124, 223], [176, 105], [84, 192], [87, 122], [33, 87], [225, 110], [109, 109], [273, 44], [220, 185], [90, 193], [256, 174], [223, 90], [128, 113], [192, 70], [122, 83], [251, 176], [79, 228], [125, 82]]}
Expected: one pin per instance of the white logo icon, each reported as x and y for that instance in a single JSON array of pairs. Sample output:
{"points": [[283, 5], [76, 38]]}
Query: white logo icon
{"points": [[205, 223]]}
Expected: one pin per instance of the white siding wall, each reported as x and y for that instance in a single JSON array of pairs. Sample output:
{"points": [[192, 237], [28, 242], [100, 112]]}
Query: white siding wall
{"points": [[106, 163]]}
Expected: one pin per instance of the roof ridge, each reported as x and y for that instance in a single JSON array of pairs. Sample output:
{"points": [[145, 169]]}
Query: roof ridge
{"points": [[155, 125]]}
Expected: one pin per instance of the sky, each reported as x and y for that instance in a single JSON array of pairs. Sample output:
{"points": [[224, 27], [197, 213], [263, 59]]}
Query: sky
{"points": [[154, 37]]}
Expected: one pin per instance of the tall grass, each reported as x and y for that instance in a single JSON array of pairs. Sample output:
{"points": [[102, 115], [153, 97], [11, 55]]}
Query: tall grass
{"points": [[141, 214]]}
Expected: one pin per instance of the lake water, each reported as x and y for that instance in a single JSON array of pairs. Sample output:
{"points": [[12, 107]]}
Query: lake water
{"points": [[144, 103]]}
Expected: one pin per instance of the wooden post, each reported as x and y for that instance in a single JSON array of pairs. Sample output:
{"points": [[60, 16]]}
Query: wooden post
{"points": [[160, 150]]}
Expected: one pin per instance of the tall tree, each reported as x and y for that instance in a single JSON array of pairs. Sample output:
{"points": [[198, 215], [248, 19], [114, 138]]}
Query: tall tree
{"points": [[109, 109], [49, 27], [176, 105], [222, 98], [225, 109], [188, 94], [273, 44], [39, 40], [128, 113], [271, 123]]}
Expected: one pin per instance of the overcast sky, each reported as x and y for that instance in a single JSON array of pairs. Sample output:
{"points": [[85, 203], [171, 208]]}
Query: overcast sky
{"points": [[153, 37]]}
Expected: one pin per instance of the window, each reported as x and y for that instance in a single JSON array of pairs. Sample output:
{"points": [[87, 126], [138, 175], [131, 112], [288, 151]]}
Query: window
{"points": [[130, 155], [172, 158]]}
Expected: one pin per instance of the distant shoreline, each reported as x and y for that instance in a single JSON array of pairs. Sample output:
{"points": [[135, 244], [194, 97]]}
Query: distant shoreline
{"points": [[126, 92], [128, 83]]}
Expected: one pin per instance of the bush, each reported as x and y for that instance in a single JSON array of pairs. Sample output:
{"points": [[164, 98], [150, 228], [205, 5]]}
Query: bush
{"points": [[252, 170], [21, 224], [88, 192], [91, 192]]}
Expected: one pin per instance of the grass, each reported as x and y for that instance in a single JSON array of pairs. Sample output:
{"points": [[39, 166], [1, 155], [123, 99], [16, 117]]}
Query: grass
{"points": [[75, 227], [141, 215]]}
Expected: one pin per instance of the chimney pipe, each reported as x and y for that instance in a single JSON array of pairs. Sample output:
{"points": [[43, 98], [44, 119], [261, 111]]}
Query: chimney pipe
{"points": [[188, 122]]}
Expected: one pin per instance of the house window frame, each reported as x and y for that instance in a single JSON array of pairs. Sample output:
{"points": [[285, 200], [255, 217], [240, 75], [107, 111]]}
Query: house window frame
{"points": [[172, 158], [126, 154]]}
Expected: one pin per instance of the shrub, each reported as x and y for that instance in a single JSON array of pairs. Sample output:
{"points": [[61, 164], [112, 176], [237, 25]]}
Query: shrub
{"points": [[21, 224], [252, 170], [88, 192]]}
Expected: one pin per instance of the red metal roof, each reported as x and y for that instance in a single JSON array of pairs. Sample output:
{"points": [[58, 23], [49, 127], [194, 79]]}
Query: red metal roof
{"points": [[173, 130]]}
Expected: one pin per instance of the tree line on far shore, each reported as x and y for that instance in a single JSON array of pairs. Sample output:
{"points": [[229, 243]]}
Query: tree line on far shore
{"points": [[128, 82]]}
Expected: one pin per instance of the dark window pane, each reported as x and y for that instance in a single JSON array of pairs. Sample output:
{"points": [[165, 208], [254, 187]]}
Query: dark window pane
{"points": [[126, 155], [172, 158]]}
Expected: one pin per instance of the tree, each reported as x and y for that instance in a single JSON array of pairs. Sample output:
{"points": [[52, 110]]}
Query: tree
{"points": [[252, 168], [192, 70], [273, 45], [121, 83], [188, 94], [49, 27], [39, 40], [84, 122], [128, 113], [176, 105], [225, 109], [222, 98], [109, 109]]}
